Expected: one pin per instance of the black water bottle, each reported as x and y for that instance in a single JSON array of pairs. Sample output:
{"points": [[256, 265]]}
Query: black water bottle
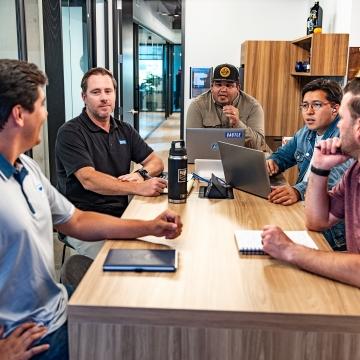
{"points": [[177, 172]]}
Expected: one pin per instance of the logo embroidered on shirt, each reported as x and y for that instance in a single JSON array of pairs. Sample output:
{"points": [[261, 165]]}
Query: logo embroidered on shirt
{"points": [[39, 187], [122, 142]]}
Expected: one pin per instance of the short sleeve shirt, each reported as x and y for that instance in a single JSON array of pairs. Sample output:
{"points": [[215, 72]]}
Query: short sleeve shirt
{"points": [[82, 143], [29, 206], [344, 203]]}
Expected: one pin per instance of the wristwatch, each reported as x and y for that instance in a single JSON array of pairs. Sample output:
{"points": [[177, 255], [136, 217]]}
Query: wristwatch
{"points": [[144, 174], [320, 172]]}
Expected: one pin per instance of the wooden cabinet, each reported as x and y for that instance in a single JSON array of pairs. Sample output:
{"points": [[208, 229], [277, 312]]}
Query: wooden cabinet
{"points": [[269, 74], [327, 54], [267, 78]]}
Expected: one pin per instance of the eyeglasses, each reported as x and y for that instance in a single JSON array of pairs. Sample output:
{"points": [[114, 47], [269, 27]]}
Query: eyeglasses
{"points": [[316, 105], [228, 85]]}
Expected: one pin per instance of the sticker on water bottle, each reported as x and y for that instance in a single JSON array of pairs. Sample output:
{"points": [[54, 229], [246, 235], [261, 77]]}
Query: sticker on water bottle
{"points": [[182, 175]]}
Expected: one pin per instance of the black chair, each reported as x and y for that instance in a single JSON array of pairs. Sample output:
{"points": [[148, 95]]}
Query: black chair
{"points": [[63, 239]]}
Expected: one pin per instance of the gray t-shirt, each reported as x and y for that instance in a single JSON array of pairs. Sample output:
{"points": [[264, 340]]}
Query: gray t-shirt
{"points": [[29, 206]]}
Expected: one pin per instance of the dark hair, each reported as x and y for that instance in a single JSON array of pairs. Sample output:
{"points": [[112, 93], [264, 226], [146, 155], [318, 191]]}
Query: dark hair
{"points": [[19, 84], [354, 107], [354, 103], [331, 88], [353, 86], [96, 71]]}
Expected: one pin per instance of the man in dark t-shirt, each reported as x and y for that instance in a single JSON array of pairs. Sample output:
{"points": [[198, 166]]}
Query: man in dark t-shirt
{"points": [[93, 156]]}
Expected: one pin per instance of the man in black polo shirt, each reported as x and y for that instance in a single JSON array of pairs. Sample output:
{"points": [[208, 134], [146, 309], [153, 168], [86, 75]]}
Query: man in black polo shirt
{"points": [[93, 156]]}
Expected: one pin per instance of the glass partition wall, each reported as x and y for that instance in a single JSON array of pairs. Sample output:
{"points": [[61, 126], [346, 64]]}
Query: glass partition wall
{"points": [[75, 53], [151, 81], [8, 30]]}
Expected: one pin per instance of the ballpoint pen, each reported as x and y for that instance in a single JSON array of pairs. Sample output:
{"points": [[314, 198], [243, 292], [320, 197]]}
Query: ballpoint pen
{"points": [[197, 177]]}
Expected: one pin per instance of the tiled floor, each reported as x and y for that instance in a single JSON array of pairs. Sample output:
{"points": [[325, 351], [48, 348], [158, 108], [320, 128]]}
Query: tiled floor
{"points": [[160, 140]]}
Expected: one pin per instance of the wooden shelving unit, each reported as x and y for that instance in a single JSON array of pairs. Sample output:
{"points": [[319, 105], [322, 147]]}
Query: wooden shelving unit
{"points": [[327, 54], [270, 76]]}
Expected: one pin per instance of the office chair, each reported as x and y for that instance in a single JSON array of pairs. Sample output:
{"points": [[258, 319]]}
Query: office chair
{"points": [[63, 239]]}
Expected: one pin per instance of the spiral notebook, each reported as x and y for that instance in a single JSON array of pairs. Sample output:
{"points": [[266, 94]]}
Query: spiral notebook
{"points": [[141, 260], [249, 241]]}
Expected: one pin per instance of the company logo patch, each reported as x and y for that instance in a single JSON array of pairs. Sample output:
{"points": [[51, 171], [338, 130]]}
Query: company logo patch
{"points": [[182, 175], [234, 134], [225, 71], [122, 142]]}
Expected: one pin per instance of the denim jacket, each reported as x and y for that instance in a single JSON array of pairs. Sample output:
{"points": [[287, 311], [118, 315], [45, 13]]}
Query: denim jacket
{"points": [[299, 151]]}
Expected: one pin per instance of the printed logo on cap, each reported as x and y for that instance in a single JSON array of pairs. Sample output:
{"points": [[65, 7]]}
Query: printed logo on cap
{"points": [[225, 71]]}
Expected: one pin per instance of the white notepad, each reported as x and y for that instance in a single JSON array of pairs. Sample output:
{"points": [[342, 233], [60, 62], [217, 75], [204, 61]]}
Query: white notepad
{"points": [[249, 241]]}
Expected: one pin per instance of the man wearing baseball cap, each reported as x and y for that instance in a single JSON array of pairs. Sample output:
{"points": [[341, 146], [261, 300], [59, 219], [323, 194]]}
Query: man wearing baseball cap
{"points": [[225, 105]]}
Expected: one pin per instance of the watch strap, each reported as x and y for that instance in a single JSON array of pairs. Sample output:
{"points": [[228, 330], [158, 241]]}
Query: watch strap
{"points": [[143, 173], [320, 172]]}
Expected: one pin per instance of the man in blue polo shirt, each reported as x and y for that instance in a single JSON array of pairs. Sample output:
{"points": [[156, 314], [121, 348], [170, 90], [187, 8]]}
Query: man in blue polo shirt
{"points": [[94, 152], [32, 304]]}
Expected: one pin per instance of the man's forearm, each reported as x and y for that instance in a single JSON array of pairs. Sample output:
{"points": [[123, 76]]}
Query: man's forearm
{"points": [[342, 267], [105, 184], [317, 203], [91, 226]]}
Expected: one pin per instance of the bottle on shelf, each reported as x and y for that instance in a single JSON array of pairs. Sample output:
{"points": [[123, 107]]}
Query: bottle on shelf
{"points": [[314, 21], [317, 14], [309, 26]]}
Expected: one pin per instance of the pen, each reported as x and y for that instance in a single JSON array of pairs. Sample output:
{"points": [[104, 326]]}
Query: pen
{"points": [[197, 177]]}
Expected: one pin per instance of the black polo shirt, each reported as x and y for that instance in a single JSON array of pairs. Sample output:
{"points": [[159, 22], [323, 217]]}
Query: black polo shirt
{"points": [[82, 143]]}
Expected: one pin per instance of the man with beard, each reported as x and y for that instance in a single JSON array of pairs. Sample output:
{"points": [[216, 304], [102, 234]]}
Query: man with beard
{"points": [[320, 110], [94, 152], [325, 208], [226, 106]]}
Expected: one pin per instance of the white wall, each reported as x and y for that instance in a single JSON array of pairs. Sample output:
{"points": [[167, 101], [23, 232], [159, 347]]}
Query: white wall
{"points": [[214, 30], [355, 24], [336, 15]]}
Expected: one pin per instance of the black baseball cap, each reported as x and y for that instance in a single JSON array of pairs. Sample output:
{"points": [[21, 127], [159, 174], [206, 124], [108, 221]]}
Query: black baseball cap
{"points": [[226, 72]]}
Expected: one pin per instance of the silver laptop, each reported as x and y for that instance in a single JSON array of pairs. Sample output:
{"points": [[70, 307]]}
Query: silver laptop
{"points": [[201, 143], [245, 169]]}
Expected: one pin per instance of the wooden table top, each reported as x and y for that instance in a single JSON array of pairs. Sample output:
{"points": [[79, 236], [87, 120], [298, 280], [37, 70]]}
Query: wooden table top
{"points": [[212, 277]]}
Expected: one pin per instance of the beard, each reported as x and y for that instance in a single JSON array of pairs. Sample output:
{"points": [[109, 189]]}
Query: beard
{"points": [[98, 115]]}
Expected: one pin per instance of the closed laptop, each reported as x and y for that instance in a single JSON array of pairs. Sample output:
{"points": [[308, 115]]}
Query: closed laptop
{"points": [[202, 143]]}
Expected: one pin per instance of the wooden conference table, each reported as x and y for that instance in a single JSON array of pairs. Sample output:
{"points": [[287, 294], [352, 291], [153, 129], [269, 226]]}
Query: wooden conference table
{"points": [[218, 304]]}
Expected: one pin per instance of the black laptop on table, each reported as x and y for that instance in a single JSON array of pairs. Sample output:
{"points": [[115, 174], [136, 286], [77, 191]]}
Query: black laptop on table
{"points": [[245, 169], [202, 143]]}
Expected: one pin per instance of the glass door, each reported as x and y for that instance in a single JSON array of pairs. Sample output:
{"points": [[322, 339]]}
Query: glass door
{"points": [[75, 53], [8, 30], [151, 81]]}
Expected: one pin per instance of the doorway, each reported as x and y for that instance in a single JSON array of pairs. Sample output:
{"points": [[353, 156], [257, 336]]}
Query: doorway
{"points": [[151, 80]]}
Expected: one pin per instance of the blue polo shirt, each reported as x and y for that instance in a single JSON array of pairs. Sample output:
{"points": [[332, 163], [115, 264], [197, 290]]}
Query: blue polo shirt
{"points": [[29, 206]]}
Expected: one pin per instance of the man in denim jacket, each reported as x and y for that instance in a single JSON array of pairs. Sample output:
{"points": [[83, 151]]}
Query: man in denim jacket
{"points": [[320, 106]]}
